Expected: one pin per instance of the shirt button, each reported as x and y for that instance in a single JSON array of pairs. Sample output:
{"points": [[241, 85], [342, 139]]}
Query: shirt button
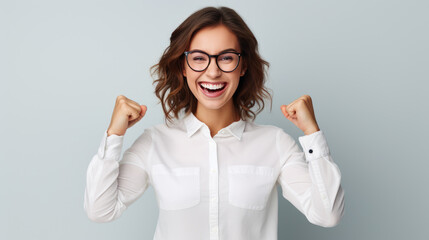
{"points": [[310, 151]]}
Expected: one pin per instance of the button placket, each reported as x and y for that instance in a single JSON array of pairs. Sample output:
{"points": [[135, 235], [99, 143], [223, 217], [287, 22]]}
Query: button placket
{"points": [[213, 191]]}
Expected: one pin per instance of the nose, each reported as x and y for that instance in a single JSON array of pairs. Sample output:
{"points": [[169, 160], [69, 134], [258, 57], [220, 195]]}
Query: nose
{"points": [[213, 70]]}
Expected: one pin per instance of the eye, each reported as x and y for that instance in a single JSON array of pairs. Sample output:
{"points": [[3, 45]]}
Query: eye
{"points": [[199, 58], [227, 57]]}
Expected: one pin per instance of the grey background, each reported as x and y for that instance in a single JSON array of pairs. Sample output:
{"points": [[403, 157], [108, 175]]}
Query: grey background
{"points": [[63, 63]]}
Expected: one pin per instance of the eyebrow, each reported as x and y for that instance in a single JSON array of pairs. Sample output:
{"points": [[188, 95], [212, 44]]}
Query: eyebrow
{"points": [[223, 51]]}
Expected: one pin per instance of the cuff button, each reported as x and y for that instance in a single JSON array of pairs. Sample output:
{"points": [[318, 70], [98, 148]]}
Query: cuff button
{"points": [[310, 151]]}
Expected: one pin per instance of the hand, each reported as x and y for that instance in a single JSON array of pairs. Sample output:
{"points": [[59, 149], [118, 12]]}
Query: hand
{"points": [[300, 112], [125, 114]]}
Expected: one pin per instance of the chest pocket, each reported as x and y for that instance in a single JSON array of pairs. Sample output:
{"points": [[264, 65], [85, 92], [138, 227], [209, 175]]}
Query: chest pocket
{"points": [[250, 186], [176, 188]]}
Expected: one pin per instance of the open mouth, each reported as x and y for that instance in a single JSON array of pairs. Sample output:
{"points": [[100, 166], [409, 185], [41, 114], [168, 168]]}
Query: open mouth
{"points": [[212, 88]]}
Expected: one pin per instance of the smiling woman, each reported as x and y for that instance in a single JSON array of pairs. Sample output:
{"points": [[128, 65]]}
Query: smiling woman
{"points": [[212, 88], [205, 34], [213, 170]]}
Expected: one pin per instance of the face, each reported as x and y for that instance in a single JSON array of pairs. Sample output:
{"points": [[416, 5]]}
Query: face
{"points": [[213, 88]]}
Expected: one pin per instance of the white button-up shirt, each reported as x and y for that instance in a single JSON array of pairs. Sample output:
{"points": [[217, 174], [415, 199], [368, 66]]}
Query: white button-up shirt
{"points": [[221, 187]]}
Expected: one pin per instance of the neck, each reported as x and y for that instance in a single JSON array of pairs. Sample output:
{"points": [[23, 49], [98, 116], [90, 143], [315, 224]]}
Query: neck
{"points": [[216, 119]]}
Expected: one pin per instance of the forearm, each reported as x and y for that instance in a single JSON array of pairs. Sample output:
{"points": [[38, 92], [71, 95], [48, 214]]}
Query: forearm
{"points": [[101, 193], [326, 204], [311, 181], [112, 183]]}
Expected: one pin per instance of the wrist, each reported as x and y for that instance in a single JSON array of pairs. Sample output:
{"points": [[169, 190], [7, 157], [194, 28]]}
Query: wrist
{"points": [[311, 130], [110, 132]]}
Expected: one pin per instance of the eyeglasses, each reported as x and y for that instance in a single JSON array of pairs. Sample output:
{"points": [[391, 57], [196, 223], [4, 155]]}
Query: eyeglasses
{"points": [[199, 61]]}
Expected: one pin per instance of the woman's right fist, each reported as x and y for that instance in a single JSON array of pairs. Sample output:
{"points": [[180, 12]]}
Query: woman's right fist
{"points": [[125, 114]]}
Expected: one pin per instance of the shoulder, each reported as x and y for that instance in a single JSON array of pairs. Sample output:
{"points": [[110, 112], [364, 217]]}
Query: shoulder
{"points": [[166, 129], [268, 131], [252, 127]]}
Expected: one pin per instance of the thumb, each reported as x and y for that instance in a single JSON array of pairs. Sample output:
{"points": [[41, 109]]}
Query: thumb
{"points": [[143, 110], [284, 111]]}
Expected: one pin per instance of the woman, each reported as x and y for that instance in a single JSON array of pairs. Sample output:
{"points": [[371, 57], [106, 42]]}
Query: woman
{"points": [[213, 170]]}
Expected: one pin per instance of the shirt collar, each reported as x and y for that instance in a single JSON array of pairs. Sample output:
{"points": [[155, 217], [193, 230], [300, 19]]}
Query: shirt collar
{"points": [[236, 128], [192, 125]]}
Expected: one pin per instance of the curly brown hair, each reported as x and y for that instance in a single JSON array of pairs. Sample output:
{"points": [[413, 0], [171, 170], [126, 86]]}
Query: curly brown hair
{"points": [[171, 86]]}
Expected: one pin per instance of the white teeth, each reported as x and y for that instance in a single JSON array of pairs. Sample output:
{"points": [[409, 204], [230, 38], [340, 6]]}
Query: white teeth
{"points": [[213, 86]]}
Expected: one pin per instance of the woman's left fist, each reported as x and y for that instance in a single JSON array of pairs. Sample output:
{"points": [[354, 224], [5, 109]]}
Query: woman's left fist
{"points": [[300, 112]]}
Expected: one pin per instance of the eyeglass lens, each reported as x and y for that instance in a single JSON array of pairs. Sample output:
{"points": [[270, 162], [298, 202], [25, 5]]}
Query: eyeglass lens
{"points": [[199, 61]]}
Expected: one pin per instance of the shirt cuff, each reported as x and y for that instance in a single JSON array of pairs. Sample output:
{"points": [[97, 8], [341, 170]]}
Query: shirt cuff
{"points": [[314, 145], [110, 146]]}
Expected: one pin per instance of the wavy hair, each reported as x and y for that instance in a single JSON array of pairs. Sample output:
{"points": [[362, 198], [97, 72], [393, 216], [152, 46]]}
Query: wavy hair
{"points": [[171, 86]]}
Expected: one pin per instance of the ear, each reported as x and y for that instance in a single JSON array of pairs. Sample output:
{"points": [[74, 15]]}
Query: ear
{"points": [[243, 70], [184, 70]]}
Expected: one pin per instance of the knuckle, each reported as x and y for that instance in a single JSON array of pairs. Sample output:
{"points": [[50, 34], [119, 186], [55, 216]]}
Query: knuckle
{"points": [[305, 97], [122, 101], [122, 98]]}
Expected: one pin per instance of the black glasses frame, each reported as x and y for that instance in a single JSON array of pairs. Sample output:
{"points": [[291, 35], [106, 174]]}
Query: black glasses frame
{"points": [[210, 57]]}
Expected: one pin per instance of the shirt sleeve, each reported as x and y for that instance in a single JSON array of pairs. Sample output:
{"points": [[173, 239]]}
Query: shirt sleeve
{"points": [[310, 179], [112, 184]]}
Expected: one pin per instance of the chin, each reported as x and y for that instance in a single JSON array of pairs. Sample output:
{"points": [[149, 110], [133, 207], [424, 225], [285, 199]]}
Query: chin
{"points": [[212, 106]]}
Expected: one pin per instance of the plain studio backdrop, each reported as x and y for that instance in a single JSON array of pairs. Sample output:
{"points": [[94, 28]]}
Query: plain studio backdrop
{"points": [[63, 63]]}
